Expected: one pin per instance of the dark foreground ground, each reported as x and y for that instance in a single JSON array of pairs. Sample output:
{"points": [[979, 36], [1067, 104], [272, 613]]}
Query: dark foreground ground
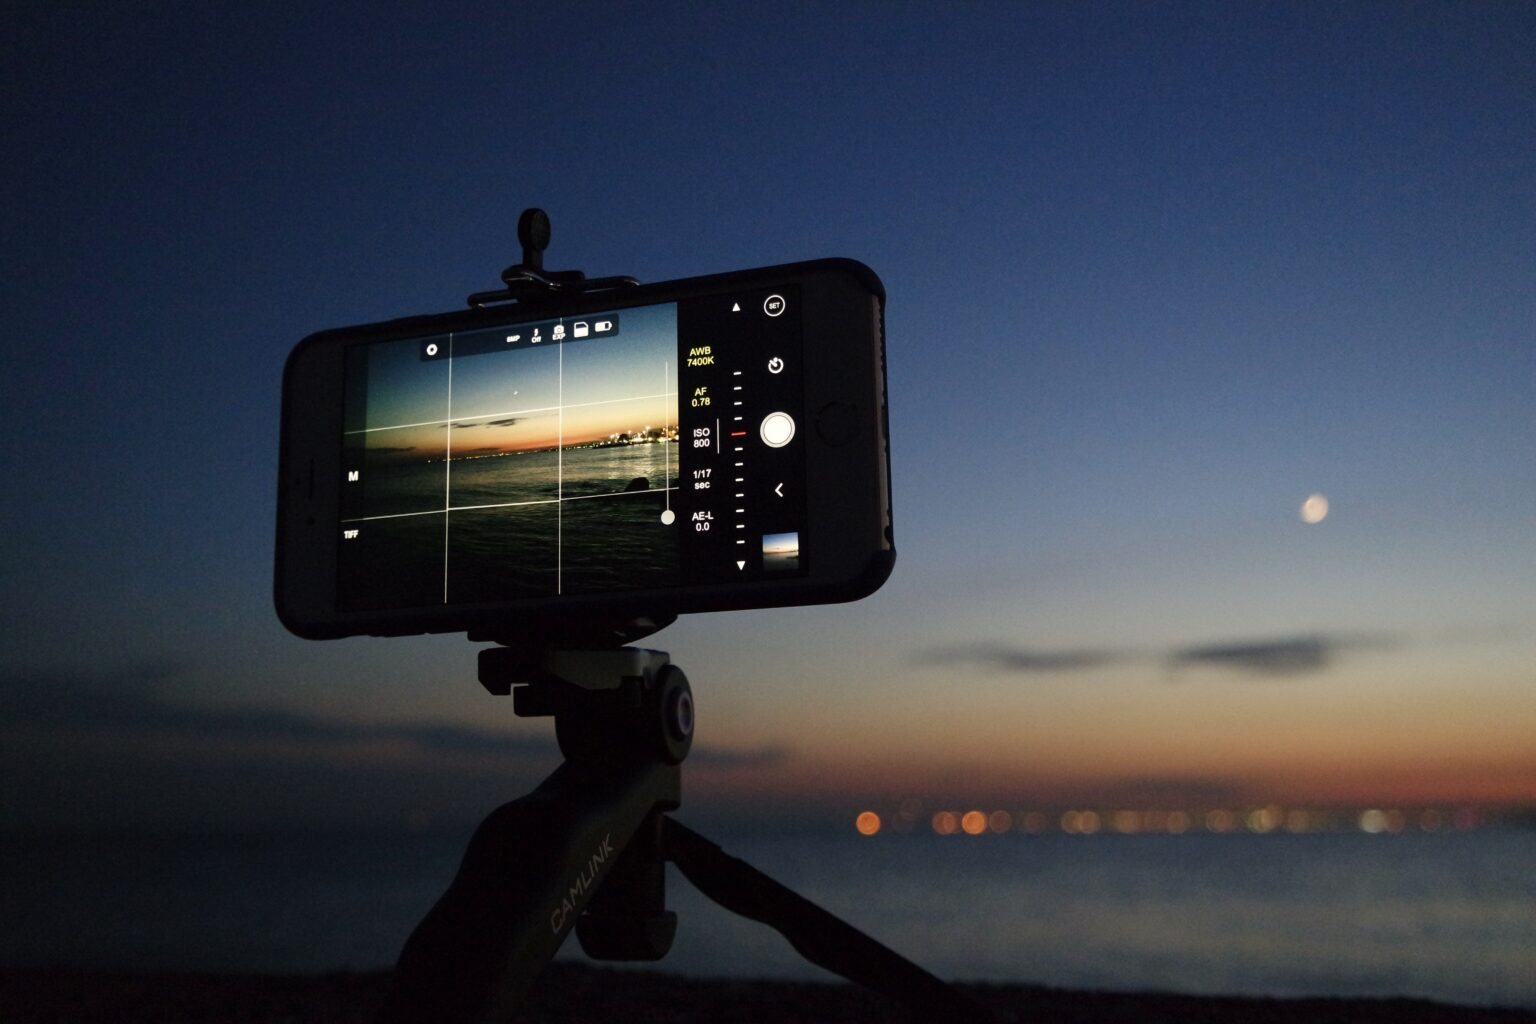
{"points": [[579, 993]]}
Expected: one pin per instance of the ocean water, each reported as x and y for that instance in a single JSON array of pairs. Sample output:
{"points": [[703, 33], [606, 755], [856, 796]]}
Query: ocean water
{"points": [[397, 485], [1443, 916], [606, 534]]}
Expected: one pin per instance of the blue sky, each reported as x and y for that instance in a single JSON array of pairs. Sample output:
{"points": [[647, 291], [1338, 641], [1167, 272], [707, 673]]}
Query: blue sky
{"points": [[1155, 276]]}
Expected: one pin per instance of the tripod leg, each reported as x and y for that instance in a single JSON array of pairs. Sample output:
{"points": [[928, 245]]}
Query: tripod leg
{"points": [[531, 869], [628, 919], [820, 937]]}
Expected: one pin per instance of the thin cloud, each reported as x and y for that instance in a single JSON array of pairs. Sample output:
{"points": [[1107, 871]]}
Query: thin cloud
{"points": [[507, 422], [130, 706], [1002, 658], [1280, 657], [89, 749], [1290, 656], [60, 701], [1273, 657]]}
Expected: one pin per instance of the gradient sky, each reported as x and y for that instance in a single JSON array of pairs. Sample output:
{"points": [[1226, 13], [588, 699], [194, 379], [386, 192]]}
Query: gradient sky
{"points": [[1155, 276], [635, 369]]}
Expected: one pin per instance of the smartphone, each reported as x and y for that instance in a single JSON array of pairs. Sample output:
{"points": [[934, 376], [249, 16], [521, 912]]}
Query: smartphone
{"points": [[697, 445]]}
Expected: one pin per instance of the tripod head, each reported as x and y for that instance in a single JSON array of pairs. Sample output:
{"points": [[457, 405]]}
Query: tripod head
{"points": [[610, 706]]}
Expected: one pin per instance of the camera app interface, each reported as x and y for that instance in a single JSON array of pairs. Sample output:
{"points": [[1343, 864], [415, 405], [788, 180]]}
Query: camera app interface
{"points": [[641, 448]]}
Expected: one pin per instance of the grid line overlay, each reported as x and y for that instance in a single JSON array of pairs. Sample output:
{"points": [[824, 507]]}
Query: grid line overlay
{"points": [[506, 504], [559, 478], [668, 394], [515, 412], [448, 469]]}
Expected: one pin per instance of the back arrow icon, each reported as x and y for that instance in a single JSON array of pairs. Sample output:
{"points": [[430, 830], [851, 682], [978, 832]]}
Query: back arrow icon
{"points": [[779, 490]]}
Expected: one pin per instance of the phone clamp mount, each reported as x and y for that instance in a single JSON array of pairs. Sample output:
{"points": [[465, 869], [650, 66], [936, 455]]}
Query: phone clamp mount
{"points": [[586, 851], [528, 281]]}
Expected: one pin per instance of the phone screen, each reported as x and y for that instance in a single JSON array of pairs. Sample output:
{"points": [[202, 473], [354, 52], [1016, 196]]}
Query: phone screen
{"points": [[637, 448]]}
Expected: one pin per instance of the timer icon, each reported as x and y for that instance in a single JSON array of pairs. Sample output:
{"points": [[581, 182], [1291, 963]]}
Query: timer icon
{"points": [[775, 365]]}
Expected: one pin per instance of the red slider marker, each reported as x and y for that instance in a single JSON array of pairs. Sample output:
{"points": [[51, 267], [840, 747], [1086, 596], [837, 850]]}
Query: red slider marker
{"points": [[738, 433]]}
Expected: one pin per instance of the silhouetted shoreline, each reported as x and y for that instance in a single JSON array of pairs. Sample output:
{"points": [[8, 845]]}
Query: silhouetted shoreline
{"points": [[576, 992]]}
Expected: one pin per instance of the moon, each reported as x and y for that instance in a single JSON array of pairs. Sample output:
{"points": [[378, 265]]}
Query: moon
{"points": [[1314, 509]]}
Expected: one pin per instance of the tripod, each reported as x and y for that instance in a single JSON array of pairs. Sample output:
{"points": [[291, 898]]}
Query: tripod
{"points": [[586, 851]]}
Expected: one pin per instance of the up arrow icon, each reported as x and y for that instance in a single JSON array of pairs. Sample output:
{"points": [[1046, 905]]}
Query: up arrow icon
{"points": [[735, 307]]}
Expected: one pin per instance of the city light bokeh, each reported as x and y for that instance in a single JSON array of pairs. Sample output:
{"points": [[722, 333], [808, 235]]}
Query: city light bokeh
{"points": [[1269, 819]]}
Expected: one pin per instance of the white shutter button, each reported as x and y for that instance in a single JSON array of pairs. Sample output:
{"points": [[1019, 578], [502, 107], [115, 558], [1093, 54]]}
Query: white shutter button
{"points": [[778, 429]]}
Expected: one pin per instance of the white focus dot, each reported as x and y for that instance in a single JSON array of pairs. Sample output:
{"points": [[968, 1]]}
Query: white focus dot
{"points": [[1314, 509], [668, 517]]}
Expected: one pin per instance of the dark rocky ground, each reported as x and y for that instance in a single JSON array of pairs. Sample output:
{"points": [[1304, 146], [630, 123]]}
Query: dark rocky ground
{"points": [[574, 992]]}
